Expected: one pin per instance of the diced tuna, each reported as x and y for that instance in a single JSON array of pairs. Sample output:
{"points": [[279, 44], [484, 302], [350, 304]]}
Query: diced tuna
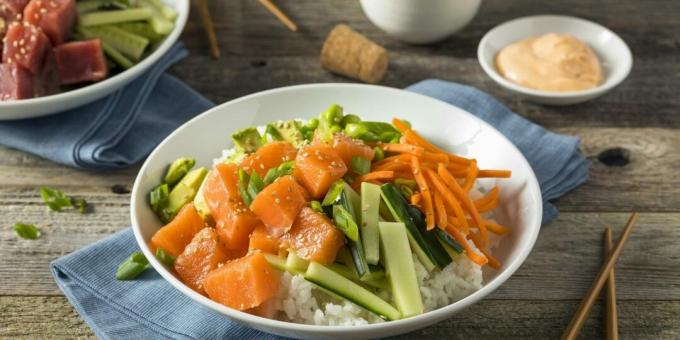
{"points": [[11, 10], [15, 82], [81, 61], [47, 82], [55, 17], [27, 46]]}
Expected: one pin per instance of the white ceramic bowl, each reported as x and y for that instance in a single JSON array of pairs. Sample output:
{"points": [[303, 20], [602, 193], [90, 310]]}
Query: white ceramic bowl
{"points": [[613, 52], [420, 21], [205, 136], [60, 102]]}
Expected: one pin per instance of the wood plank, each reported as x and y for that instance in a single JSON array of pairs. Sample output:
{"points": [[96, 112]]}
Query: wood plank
{"points": [[562, 265], [55, 318]]}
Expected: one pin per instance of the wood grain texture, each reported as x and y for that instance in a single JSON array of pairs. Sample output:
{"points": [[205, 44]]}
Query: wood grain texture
{"points": [[32, 317], [632, 136]]}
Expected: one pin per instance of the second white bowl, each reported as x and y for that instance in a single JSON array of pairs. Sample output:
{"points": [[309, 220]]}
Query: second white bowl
{"points": [[613, 52]]}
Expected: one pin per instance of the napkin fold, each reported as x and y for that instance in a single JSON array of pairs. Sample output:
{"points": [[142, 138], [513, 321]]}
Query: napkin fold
{"points": [[116, 131], [149, 308]]}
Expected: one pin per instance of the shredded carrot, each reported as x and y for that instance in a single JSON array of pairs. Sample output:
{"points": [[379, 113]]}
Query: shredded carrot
{"points": [[376, 175], [465, 199], [465, 229], [476, 239], [403, 174], [496, 228], [394, 165], [404, 148], [471, 254], [401, 126], [488, 202], [395, 158], [448, 198], [416, 198], [424, 191], [439, 211], [494, 173], [471, 176], [434, 157]]}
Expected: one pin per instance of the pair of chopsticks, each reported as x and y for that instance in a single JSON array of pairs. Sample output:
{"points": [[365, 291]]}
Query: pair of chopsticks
{"points": [[605, 276], [210, 29]]}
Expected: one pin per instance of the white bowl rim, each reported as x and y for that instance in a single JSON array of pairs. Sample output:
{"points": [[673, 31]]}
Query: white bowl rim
{"points": [[87, 90], [607, 85], [465, 302]]}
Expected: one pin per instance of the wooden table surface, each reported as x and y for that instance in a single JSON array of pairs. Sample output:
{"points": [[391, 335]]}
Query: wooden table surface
{"points": [[632, 135]]}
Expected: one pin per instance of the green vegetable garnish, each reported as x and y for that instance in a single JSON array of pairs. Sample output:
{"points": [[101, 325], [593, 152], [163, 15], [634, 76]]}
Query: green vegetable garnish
{"points": [[273, 132], [243, 180], [255, 185], [360, 165], [316, 205], [284, 169], [349, 119], [333, 193], [158, 198], [55, 199], [27, 231], [247, 140], [406, 186], [329, 122], [81, 205], [379, 155], [132, 266], [308, 129], [180, 167], [345, 222], [165, 258], [372, 131]]}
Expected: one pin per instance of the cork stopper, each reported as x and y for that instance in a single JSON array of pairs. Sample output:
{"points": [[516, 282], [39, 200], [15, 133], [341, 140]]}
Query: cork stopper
{"points": [[349, 53]]}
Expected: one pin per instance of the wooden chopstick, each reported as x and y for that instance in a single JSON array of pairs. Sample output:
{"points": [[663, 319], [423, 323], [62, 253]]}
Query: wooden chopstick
{"points": [[208, 27], [279, 15], [610, 292], [584, 309]]}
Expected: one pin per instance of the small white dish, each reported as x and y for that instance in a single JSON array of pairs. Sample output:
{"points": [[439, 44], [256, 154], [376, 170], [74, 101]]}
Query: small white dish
{"points": [[420, 21], [613, 52], [205, 136], [60, 102]]}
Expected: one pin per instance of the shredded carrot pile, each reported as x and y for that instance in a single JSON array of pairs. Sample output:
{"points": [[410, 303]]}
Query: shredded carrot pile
{"points": [[444, 182]]}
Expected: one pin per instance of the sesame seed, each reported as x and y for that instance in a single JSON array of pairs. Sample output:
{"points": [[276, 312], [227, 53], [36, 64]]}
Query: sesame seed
{"points": [[277, 200]]}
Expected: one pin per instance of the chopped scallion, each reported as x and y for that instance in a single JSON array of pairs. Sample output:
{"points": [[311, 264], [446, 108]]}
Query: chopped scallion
{"points": [[27, 231]]}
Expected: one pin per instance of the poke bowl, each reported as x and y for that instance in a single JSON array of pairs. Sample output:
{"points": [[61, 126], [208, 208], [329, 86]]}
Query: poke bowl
{"points": [[73, 52], [316, 296]]}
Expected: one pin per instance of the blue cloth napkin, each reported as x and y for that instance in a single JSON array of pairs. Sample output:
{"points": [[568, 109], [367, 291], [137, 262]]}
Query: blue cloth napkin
{"points": [[149, 308], [116, 131]]}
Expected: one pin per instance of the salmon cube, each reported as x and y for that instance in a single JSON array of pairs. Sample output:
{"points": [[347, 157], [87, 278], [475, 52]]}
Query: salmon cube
{"points": [[347, 148], [174, 236], [278, 204], [15, 82], [55, 17], [26, 46], [317, 167], [11, 10], [81, 61], [233, 220], [243, 283], [199, 257], [314, 237], [261, 240], [268, 156]]}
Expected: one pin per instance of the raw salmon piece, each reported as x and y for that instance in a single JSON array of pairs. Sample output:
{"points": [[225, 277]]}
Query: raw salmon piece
{"points": [[266, 310], [269, 156], [243, 283], [317, 167], [279, 204], [201, 256], [174, 236], [233, 220], [261, 240], [347, 148], [314, 237]]}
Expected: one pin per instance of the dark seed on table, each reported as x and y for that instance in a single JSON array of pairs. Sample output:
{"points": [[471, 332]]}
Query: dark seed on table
{"points": [[119, 189]]}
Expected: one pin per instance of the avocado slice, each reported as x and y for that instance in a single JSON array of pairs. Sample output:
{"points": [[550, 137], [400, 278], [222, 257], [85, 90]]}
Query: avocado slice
{"points": [[180, 167], [289, 131], [247, 140], [184, 192], [201, 205]]}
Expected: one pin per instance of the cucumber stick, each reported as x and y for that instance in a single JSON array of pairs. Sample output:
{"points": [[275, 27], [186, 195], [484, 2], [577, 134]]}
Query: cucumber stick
{"points": [[370, 205], [295, 263], [401, 272], [113, 17], [116, 56], [129, 44], [349, 273], [349, 290], [158, 21], [276, 261]]}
